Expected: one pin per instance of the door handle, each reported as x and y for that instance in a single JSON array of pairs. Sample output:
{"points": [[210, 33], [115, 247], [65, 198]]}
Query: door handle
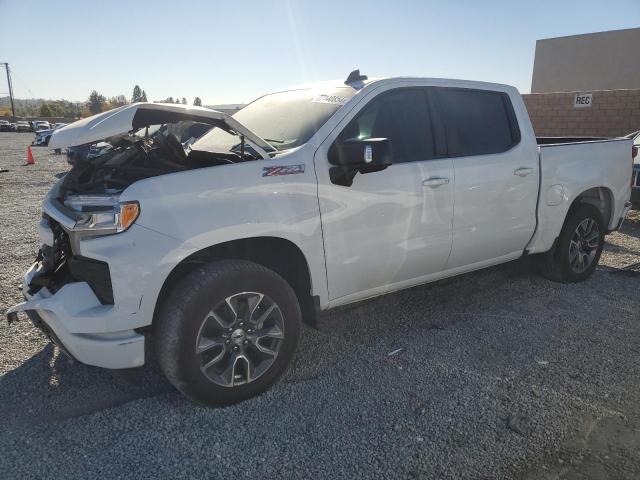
{"points": [[434, 182], [523, 171]]}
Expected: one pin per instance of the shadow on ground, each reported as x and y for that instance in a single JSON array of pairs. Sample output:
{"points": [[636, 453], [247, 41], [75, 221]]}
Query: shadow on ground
{"points": [[60, 388]]}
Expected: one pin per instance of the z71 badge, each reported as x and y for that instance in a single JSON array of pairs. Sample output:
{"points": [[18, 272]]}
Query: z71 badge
{"points": [[278, 170]]}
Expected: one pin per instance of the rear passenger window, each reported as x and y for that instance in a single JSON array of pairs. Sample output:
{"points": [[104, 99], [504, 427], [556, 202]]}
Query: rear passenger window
{"points": [[478, 122], [400, 115]]}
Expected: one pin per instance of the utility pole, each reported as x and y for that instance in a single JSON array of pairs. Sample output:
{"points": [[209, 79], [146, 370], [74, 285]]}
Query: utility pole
{"points": [[13, 109]]}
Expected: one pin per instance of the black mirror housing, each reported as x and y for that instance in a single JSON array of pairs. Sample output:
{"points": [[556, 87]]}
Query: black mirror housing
{"points": [[358, 155]]}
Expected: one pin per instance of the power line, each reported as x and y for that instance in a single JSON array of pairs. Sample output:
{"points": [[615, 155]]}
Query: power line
{"points": [[23, 83]]}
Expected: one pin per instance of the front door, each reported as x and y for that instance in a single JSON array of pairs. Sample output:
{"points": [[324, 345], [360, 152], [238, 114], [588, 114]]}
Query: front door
{"points": [[393, 227]]}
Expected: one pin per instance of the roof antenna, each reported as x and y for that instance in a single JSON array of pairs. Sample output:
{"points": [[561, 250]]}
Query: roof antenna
{"points": [[355, 77]]}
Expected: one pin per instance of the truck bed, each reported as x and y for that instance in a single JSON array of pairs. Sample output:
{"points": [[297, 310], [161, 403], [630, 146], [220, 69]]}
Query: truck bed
{"points": [[568, 169]]}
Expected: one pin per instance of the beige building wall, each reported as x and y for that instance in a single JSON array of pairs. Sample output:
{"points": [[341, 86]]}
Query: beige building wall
{"points": [[611, 114], [593, 61]]}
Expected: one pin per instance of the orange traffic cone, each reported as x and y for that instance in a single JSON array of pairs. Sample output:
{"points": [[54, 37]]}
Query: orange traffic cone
{"points": [[30, 160]]}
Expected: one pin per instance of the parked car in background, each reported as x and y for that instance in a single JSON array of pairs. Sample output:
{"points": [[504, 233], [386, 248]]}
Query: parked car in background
{"points": [[23, 126], [43, 136], [635, 182], [5, 126], [305, 200], [40, 125]]}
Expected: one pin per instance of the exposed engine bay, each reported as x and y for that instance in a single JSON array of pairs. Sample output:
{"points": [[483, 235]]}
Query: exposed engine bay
{"points": [[148, 152]]}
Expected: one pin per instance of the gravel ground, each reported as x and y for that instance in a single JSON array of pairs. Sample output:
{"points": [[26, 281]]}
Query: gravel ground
{"points": [[501, 374]]}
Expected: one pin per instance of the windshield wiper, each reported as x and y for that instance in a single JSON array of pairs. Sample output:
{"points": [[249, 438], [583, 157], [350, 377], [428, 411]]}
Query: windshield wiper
{"points": [[271, 140]]}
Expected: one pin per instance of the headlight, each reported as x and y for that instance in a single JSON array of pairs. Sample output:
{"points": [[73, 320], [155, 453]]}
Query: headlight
{"points": [[116, 219]]}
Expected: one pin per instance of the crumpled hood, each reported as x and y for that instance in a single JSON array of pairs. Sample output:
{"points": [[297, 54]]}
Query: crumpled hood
{"points": [[138, 115]]}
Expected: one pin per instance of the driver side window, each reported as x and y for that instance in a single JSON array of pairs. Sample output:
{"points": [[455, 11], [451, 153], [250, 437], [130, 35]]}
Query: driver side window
{"points": [[402, 116]]}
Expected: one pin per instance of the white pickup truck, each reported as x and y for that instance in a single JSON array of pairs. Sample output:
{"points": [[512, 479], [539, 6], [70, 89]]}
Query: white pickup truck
{"points": [[305, 200]]}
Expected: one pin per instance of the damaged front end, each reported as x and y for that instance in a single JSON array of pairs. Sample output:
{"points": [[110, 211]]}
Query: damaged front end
{"points": [[144, 140], [68, 290], [85, 295], [153, 140]]}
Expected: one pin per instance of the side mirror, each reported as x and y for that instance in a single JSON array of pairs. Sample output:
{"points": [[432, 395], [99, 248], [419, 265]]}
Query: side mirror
{"points": [[358, 155]]}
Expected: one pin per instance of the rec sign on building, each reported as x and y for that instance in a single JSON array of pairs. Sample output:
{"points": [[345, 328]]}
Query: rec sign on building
{"points": [[586, 85], [582, 100]]}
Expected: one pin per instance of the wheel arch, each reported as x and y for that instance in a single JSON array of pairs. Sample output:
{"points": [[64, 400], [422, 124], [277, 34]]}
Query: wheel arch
{"points": [[600, 197], [276, 253]]}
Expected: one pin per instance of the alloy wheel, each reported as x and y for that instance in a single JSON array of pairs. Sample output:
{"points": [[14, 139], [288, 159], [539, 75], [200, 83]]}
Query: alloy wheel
{"points": [[584, 245], [239, 339]]}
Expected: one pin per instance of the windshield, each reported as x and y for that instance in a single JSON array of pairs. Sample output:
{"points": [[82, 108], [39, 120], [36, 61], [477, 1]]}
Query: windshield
{"points": [[285, 120]]}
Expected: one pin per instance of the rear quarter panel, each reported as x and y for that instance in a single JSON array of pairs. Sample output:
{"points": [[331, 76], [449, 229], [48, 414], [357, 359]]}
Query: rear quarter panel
{"points": [[567, 170]]}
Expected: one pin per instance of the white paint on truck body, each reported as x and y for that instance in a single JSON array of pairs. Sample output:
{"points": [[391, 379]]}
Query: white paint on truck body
{"points": [[390, 230]]}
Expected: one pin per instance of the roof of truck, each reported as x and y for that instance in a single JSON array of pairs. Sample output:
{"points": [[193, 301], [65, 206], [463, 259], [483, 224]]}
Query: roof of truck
{"points": [[328, 85]]}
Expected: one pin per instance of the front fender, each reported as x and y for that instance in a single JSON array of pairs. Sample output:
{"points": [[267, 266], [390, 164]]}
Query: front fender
{"points": [[210, 206]]}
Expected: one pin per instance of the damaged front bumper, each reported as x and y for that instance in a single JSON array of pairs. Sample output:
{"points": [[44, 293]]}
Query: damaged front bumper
{"points": [[91, 292], [67, 315]]}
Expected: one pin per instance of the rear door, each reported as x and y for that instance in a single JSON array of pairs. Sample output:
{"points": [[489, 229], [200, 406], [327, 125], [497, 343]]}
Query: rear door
{"points": [[394, 226], [496, 176]]}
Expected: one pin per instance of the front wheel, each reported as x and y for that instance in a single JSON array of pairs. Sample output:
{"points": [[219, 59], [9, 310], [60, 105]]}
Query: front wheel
{"points": [[579, 246], [227, 332]]}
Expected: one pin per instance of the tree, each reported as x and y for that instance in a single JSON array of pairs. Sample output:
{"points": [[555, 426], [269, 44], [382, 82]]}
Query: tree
{"points": [[45, 110], [143, 98], [184, 101], [169, 100], [118, 101], [96, 102], [137, 94], [197, 102]]}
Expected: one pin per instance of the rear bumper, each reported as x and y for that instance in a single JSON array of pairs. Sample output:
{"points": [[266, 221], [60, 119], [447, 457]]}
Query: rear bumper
{"points": [[625, 211], [65, 316]]}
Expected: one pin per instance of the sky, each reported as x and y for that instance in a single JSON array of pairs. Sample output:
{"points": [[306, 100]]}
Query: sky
{"points": [[233, 51]]}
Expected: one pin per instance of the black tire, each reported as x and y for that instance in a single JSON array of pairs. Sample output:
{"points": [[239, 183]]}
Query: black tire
{"points": [[176, 329], [556, 265]]}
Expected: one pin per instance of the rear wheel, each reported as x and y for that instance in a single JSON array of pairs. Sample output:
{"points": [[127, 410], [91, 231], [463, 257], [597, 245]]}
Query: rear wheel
{"points": [[578, 248], [227, 332]]}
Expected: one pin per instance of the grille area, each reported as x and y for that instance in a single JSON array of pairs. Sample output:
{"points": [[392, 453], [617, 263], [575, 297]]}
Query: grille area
{"points": [[63, 267], [95, 273]]}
